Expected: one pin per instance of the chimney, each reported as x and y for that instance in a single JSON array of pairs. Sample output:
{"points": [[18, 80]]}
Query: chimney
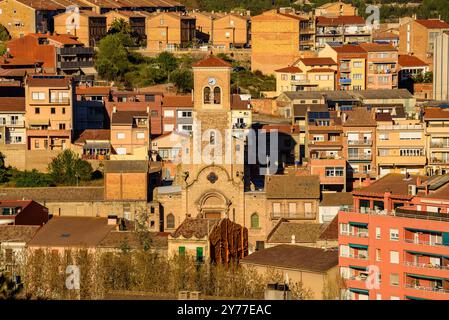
{"points": [[293, 239], [114, 109]]}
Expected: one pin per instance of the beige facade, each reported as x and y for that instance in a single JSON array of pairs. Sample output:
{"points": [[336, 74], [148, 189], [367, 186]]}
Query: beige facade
{"points": [[441, 67], [231, 31], [335, 9], [437, 135], [18, 18]]}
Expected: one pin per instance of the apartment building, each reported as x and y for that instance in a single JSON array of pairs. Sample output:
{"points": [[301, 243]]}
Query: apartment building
{"points": [[351, 61], [324, 149], [94, 144], [59, 53], [335, 9], [359, 144], [169, 31], [381, 66], [277, 38], [89, 27], [205, 25], [437, 134], [341, 29], [409, 67], [12, 120], [441, 70], [418, 36], [177, 113], [307, 74], [398, 228], [48, 112], [401, 146], [90, 111], [135, 19], [231, 31]]}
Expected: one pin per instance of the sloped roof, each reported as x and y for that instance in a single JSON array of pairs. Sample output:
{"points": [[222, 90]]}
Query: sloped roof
{"points": [[12, 104], [48, 81], [340, 20], [292, 187], [122, 117], [94, 134], [433, 23], [302, 232], [59, 194], [210, 62], [295, 257], [300, 110], [336, 198], [359, 117], [377, 47], [195, 227], [318, 61], [101, 90], [289, 69], [410, 61], [17, 233], [128, 166], [436, 113], [330, 231], [177, 101]]}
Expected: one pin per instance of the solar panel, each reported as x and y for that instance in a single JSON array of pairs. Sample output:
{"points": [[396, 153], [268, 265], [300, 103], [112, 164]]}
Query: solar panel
{"points": [[314, 115]]}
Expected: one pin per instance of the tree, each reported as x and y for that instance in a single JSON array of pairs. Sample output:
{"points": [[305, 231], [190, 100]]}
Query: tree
{"points": [[112, 61], [68, 168], [9, 289], [4, 33], [183, 79], [167, 62], [120, 26], [31, 179], [4, 172]]}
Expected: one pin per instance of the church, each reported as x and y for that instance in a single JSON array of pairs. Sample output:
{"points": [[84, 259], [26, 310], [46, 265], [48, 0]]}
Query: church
{"points": [[212, 181]]}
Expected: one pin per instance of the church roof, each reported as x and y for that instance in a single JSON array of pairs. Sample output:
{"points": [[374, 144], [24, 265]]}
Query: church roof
{"points": [[212, 61]]}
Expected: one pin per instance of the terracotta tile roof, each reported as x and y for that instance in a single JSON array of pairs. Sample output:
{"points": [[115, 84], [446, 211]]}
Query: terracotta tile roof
{"points": [[121, 117], [358, 117], [237, 103], [51, 194], [18, 61], [94, 134], [72, 232], [336, 198], [318, 61], [116, 239], [292, 187], [382, 116], [321, 70], [338, 21], [17, 233], [284, 128], [65, 39], [289, 69], [51, 4], [330, 231], [300, 110], [16, 72], [210, 62], [349, 48], [377, 47], [12, 104], [302, 232], [295, 257], [48, 81], [436, 113], [195, 227], [410, 61], [128, 166], [177, 101], [433, 23], [84, 90], [385, 35]]}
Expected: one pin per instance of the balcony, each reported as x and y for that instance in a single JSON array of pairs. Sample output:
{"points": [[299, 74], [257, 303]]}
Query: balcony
{"points": [[9, 123], [60, 101], [360, 142], [439, 144], [401, 160], [400, 127], [75, 64], [360, 157], [427, 288], [360, 256], [294, 215], [345, 81], [300, 81], [358, 234], [76, 51], [439, 160], [425, 265]]}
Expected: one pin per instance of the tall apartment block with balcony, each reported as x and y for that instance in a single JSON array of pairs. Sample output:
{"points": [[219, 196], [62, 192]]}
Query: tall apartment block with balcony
{"points": [[12, 120], [382, 61], [398, 228], [49, 108], [437, 134], [401, 146], [324, 149], [341, 29], [351, 61]]}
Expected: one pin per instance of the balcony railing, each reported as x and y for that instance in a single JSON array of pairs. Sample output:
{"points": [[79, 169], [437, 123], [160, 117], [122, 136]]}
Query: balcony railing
{"points": [[400, 127], [360, 234], [294, 215], [60, 100], [360, 142], [425, 288], [299, 81], [345, 81], [360, 256], [76, 51], [360, 157], [421, 242], [439, 160], [18, 123], [439, 144], [425, 265], [76, 64]]}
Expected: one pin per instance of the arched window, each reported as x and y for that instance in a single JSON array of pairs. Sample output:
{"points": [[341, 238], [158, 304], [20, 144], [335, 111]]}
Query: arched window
{"points": [[212, 138], [170, 221], [207, 95], [217, 95], [254, 220]]}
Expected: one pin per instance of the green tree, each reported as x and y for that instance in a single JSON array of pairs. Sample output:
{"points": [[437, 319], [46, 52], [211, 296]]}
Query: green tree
{"points": [[183, 79], [9, 289], [68, 168], [4, 171], [31, 179], [120, 26], [167, 62], [4, 33]]}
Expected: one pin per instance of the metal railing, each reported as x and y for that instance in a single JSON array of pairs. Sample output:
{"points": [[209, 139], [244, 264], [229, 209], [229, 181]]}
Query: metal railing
{"points": [[439, 144], [19, 123], [355, 256], [359, 157], [363, 234], [424, 288], [426, 243], [400, 127], [425, 265], [360, 142]]}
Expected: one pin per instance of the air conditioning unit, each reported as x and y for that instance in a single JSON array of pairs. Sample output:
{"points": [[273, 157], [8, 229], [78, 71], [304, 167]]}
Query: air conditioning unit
{"points": [[412, 190]]}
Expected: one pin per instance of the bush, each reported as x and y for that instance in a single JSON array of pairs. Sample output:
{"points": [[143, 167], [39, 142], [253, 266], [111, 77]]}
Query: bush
{"points": [[68, 168], [31, 179]]}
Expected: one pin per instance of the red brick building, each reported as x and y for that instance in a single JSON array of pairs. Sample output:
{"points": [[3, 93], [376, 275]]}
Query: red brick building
{"points": [[22, 212]]}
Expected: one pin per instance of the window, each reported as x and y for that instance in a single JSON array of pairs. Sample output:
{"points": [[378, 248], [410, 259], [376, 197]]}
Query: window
{"points": [[217, 95], [185, 127], [377, 233], [384, 136], [149, 98], [37, 110], [276, 207], [38, 95], [207, 95], [120, 135], [170, 221], [318, 138], [378, 296], [154, 113], [358, 76], [63, 110], [394, 279], [284, 77], [357, 64], [394, 234], [52, 110], [140, 135], [410, 135], [394, 257], [334, 172], [199, 254], [36, 144], [182, 251], [169, 113], [411, 152], [384, 152], [62, 126], [292, 207], [184, 114], [169, 127], [254, 220], [378, 258], [212, 138]]}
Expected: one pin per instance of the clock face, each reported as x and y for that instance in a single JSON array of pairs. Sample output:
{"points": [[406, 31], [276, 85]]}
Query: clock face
{"points": [[212, 81]]}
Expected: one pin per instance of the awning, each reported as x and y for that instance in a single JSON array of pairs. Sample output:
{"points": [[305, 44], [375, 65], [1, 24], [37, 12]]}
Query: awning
{"points": [[358, 246], [97, 145], [359, 291], [415, 298], [358, 268], [89, 70], [42, 122], [423, 230], [424, 254], [420, 276], [359, 224]]}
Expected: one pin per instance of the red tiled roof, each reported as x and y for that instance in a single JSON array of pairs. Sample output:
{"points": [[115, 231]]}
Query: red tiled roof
{"points": [[92, 134], [285, 128], [436, 113], [349, 48], [177, 101], [93, 90], [318, 61], [212, 61], [289, 69], [293, 16], [64, 39], [238, 104], [385, 35], [12, 104], [341, 20], [377, 47], [411, 61], [319, 70], [433, 23], [41, 81]]}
